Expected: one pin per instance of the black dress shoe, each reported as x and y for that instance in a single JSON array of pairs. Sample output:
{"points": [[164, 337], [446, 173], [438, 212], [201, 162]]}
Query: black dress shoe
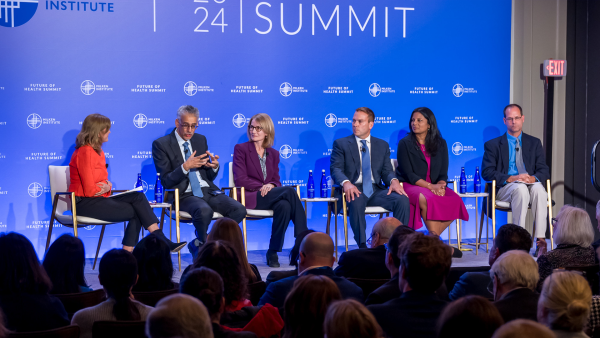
{"points": [[194, 247], [456, 253], [174, 247], [272, 259]]}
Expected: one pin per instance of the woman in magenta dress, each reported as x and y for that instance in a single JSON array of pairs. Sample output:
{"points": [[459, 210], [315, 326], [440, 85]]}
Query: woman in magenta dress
{"points": [[423, 167]]}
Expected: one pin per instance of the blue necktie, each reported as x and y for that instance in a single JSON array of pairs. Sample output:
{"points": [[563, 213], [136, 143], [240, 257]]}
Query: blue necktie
{"points": [[366, 170], [193, 176]]}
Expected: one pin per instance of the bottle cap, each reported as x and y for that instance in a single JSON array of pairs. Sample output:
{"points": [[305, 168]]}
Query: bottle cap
{"points": [[310, 171], [157, 174], [323, 170]]}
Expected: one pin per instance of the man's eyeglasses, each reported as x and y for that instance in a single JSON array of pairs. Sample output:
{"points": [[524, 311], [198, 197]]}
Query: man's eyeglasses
{"points": [[187, 126], [511, 119], [386, 247], [257, 128], [490, 286]]}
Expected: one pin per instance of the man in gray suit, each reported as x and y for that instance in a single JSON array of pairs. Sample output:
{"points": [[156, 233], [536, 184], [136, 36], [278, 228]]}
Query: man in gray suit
{"points": [[361, 165]]}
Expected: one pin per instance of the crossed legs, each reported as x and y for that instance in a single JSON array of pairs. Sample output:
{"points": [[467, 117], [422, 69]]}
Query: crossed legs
{"points": [[434, 227]]}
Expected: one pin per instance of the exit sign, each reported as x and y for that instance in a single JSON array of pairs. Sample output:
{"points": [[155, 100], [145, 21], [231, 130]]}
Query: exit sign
{"points": [[555, 68]]}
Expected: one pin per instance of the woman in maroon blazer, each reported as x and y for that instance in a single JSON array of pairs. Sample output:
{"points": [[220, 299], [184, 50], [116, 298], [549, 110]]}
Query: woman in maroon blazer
{"points": [[256, 168]]}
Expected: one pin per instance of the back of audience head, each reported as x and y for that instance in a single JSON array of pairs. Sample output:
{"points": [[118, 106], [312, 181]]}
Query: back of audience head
{"points": [[306, 305], [382, 231], [296, 249], [474, 312], [155, 267], [65, 264], [424, 263], [221, 257], [510, 237], [316, 250], [520, 328], [350, 319], [565, 302], [398, 236], [226, 229], [573, 226], [181, 316], [514, 269], [20, 268], [207, 286], [118, 274]]}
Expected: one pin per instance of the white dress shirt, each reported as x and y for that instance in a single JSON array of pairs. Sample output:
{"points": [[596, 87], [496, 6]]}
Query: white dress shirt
{"points": [[181, 141]]}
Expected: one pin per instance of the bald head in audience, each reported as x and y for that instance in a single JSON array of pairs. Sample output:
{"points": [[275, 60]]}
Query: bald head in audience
{"points": [[519, 328], [315, 250], [383, 230], [179, 315]]}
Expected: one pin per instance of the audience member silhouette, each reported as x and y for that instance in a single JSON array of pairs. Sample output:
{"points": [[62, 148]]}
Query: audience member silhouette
{"points": [[24, 288], [306, 305], [155, 267], [118, 274], [520, 328], [473, 312], [65, 264], [276, 275], [350, 319], [180, 316]]}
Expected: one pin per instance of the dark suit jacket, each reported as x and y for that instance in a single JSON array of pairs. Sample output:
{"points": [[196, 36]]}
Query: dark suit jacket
{"points": [[247, 172], [367, 263], [168, 160], [277, 291], [385, 293], [413, 314], [412, 165], [27, 312], [495, 159], [472, 283], [518, 304], [345, 162], [275, 275]]}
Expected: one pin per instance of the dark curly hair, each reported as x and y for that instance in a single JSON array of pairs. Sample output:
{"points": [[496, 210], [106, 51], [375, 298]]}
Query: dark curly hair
{"points": [[221, 257], [433, 140], [64, 263], [513, 237], [155, 267]]}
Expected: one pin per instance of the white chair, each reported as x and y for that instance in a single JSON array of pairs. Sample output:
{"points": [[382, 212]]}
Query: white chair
{"points": [[64, 201], [505, 206], [180, 217], [251, 214]]}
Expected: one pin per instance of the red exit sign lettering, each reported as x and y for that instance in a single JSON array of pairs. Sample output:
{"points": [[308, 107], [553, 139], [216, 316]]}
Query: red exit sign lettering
{"points": [[555, 68]]}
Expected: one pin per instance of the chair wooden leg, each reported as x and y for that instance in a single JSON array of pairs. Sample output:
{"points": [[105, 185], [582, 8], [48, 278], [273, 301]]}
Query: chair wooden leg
{"points": [[162, 217], [336, 230], [548, 187], [493, 207], [245, 236], [328, 227], [98, 248], [51, 221], [344, 207]]}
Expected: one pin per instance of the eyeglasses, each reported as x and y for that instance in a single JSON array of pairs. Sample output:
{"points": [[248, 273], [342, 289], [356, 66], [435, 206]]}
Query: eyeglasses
{"points": [[187, 126], [490, 286], [511, 119], [554, 221], [370, 240], [257, 128]]}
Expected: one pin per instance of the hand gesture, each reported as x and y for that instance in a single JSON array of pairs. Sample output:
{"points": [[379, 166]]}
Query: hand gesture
{"points": [[104, 188], [195, 161], [351, 191], [214, 161], [265, 189], [396, 187], [438, 189]]}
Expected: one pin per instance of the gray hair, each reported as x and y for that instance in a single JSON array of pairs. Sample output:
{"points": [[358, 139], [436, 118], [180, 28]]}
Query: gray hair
{"points": [[516, 268], [598, 210], [573, 227], [179, 315], [187, 109]]}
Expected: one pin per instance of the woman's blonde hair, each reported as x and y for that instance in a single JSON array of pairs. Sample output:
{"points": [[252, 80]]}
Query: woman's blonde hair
{"points": [[349, 319], [573, 227], [565, 302], [267, 126], [93, 126], [226, 229]]}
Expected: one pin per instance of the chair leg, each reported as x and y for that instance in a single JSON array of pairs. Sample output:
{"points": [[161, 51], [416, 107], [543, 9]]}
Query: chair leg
{"points": [[245, 235], [51, 221], [328, 227], [548, 187], [345, 221], [98, 249], [162, 217]]}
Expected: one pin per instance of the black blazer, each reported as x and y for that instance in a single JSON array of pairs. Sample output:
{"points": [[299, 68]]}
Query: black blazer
{"points": [[518, 304], [367, 263], [345, 161], [412, 165], [168, 160], [388, 291], [495, 159], [472, 283]]}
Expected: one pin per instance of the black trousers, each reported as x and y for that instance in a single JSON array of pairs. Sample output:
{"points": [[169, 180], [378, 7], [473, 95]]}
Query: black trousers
{"points": [[202, 209], [286, 206], [398, 204], [132, 207]]}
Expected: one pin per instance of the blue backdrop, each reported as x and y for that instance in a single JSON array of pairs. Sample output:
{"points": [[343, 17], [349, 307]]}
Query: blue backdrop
{"points": [[307, 65]]}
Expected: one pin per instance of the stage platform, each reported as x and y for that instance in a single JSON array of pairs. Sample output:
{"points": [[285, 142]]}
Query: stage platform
{"points": [[257, 257]]}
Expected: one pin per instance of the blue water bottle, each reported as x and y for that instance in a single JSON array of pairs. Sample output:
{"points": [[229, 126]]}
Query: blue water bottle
{"points": [[477, 181], [139, 181], [323, 185], [158, 190], [310, 186], [463, 181]]}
